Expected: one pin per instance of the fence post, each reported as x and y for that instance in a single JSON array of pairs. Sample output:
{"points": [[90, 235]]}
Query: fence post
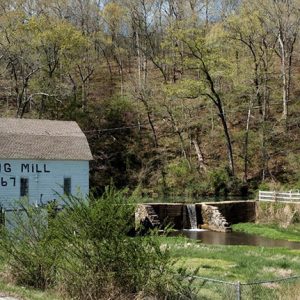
{"points": [[238, 291]]}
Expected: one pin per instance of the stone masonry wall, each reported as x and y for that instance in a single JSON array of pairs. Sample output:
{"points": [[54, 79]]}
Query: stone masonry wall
{"points": [[175, 214], [282, 213], [213, 219], [237, 211]]}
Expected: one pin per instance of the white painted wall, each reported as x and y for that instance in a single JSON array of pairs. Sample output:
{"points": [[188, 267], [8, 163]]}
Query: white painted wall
{"points": [[46, 179]]}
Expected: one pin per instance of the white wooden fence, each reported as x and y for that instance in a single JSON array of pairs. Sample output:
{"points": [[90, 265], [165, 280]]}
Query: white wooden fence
{"points": [[279, 196]]}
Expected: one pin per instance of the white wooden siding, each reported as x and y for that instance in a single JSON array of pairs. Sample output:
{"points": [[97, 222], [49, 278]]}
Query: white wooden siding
{"points": [[46, 179]]}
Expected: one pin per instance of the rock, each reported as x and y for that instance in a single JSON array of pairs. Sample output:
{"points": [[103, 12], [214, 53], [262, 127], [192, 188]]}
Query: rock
{"points": [[213, 219], [146, 216]]}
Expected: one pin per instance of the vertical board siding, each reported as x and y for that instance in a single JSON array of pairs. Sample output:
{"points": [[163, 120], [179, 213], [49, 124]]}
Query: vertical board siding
{"points": [[46, 179]]}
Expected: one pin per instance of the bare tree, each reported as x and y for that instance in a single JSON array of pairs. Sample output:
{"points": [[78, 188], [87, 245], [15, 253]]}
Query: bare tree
{"points": [[283, 18]]}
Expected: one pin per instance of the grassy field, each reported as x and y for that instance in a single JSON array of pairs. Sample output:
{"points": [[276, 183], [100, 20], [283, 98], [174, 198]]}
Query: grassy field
{"points": [[234, 263], [292, 233], [238, 263], [25, 293], [228, 263]]}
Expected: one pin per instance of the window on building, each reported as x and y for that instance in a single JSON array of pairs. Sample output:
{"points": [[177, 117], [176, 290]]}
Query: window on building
{"points": [[2, 216], [67, 185], [24, 187]]}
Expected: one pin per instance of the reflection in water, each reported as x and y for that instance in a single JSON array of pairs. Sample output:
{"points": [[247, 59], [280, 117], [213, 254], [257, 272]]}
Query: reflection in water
{"points": [[234, 238]]}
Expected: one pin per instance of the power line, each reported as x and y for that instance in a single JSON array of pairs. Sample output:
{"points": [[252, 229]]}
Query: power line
{"points": [[140, 126], [199, 107]]}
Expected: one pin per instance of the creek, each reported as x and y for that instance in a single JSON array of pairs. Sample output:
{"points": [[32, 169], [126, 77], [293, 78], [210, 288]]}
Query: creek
{"points": [[234, 238]]}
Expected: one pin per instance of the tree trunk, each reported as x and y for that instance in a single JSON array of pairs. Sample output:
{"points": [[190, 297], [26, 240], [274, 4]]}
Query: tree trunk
{"points": [[215, 97], [284, 79], [264, 119], [228, 139], [199, 155], [179, 134], [247, 142]]}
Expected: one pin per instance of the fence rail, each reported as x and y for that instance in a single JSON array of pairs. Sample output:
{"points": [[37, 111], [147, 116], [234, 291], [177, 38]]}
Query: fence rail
{"points": [[273, 196], [287, 288]]}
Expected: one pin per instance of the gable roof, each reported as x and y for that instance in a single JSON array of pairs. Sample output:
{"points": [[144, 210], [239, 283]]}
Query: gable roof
{"points": [[42, 139]]}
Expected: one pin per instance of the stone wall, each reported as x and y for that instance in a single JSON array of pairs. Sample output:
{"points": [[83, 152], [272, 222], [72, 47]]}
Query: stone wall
{"points": [[236, 211], [231, 212], [172, 214], [175, 214], [146, 216], [213, 219], [282, 213]]}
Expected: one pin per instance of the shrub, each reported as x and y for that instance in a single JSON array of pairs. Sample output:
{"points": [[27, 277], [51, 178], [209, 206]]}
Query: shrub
{"points": [[178, 175], [181, 180], [222, 183], [102, 259], [28, 246], [88, 251], [219, 179]]}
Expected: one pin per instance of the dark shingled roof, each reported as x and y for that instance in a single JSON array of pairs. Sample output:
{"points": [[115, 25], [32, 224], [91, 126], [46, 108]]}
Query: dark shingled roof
{"points": [[42, 139]]}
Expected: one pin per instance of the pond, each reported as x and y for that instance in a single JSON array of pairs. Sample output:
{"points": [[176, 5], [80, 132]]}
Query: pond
{"points": [[189, 199], [234, 238]]}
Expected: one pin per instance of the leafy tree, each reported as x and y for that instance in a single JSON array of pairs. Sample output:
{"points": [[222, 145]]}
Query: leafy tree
{"points": [[202, 54]]}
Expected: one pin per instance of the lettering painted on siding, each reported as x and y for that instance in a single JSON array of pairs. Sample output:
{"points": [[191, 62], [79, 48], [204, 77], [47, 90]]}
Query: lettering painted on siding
{"points": [[25, 168], [6, 170], [10, 181]]}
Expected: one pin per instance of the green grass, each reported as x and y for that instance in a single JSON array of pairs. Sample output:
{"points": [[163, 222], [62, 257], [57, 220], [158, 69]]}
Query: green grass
{"points": [[8, 288], [234, 263], [228, 263], [237, 263], [292, 233], [26, 293]]}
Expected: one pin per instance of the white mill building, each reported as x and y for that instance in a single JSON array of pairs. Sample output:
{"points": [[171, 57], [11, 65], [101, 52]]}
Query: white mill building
{"points": [[41, 159]]}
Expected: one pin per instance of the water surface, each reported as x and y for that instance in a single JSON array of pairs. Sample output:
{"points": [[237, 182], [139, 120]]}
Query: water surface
{"points": [[234, 238], [189, 199]]}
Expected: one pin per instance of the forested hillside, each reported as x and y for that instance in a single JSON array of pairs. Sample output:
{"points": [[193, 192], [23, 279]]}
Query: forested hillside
{"points": [[194, 97]]}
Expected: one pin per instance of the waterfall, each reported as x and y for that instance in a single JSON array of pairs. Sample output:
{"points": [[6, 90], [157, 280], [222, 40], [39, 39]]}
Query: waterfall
{"points": [[191, 210]]}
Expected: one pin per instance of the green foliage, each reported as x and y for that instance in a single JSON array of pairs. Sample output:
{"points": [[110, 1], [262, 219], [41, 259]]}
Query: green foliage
{"points": [[219, 179], [88, 249], [101, 258], [272, 231], [166, 68], [264, 186], [116, 109], [178, 171], [29, 246], [187, 88], [235, 263], [221, 183], [181, 180]]}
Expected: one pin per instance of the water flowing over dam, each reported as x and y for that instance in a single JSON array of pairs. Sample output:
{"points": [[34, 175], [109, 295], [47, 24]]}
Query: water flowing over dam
{"points": [[216, 216], [192, 214]]}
